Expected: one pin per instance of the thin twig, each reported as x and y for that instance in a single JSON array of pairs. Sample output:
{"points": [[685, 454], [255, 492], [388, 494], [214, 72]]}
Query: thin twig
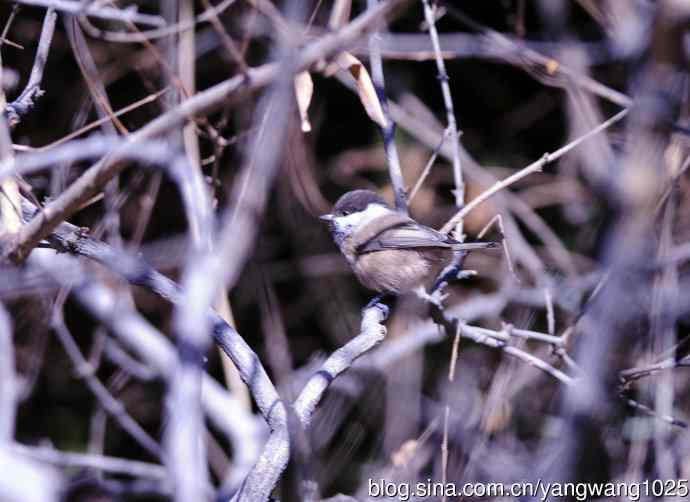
{"points": [[89, 183], [114, 465], [109, 403], [371, 334], [428, 166], [450, 116], [100, 12], [8, 379], [530, 169], [25, 102], [388, 128]]}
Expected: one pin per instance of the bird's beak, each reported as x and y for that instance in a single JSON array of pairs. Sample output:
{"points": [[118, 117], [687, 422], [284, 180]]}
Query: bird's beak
{"points": [[326, 217]]}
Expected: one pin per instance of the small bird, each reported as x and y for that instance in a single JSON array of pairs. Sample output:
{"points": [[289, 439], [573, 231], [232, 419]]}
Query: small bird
{"points": [[388, 251]]}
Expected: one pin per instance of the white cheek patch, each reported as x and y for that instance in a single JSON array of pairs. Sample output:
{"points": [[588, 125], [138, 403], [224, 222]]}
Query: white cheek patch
{"points": [[348, 224]]}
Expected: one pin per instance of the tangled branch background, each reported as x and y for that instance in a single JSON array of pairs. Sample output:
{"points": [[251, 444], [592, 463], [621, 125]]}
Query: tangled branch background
{"points": [[176, 323]]}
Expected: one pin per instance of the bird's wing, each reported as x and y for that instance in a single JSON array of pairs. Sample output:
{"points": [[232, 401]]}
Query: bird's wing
{"points": [[407, 235]]}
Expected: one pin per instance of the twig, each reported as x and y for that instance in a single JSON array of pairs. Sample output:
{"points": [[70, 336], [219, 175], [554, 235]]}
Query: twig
{"points": [[428, 166], [100, 12], [388, 128], [8, 380], [450, 116], [526, 334], [650, 412], [460, 45], [180, 27], [152, 346], [372, 333], [479, 335], [117, 113], [89, 183], [25, 102], [498, 221], [525, 57], [189, 182], [8, 25], [530, 169], [114, 465], [186, 454], [446, 417], [44, 482], [550, 315], [119, 356], [230, 46], [109, 403]]}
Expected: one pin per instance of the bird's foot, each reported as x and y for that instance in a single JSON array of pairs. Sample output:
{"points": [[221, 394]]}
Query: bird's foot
{"points": [[451, 273], [436, 297]]}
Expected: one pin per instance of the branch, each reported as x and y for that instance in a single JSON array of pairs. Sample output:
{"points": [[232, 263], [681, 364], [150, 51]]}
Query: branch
{"points": [[107, 401], [114, 465], [371, 334], [159, 354], [25, 102], [450, 115], [629, 375], [93, 180], [175, 164], [479, 335], [129, 15], [8, 379], [388, 127], [70, 238], [25, 480], [530, 169]]}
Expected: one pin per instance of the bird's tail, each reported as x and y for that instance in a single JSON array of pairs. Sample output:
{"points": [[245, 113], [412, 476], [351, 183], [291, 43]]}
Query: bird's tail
{"points": [[472, 246]]}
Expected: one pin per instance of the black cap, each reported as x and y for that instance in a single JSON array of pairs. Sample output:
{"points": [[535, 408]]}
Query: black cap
{"points": [[356, 200]]}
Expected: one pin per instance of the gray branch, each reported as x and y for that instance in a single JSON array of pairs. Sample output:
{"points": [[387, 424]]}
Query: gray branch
{"points": [[26, 100]]}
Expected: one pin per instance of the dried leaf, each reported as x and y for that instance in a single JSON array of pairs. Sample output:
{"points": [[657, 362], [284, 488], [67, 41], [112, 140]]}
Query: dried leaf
{"points": [[340, 14], [365, 86], [304, 90], [552, 67], [499, 418], [405, 453]]}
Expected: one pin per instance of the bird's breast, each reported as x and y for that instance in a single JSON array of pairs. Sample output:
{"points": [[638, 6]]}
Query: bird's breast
{"points": [[396, 270]]}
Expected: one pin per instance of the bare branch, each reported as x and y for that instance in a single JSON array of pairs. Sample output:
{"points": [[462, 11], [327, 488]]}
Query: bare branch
{"points": [[109, 403], [450, 115], [388, 128], [115, 465], [8, 380], [100, 12], [25, 101], [372, 333], [203, 102], [25, 480], [530, 169]]}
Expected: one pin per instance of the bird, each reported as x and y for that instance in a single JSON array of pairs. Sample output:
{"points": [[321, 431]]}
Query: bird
{"points": [[388, 251]]}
